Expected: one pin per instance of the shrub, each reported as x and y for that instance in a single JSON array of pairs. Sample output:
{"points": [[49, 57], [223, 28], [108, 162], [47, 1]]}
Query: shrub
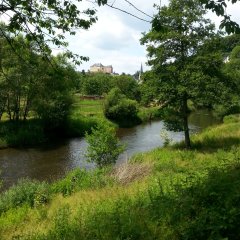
{"points": [[26, 192], [22, 133], [104, 147], [118, 107], [232, 118], [80, 179], [55, 111]]}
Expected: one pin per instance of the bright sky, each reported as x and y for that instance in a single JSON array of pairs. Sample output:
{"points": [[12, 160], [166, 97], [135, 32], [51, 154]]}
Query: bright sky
{"points": [[114, 39]]}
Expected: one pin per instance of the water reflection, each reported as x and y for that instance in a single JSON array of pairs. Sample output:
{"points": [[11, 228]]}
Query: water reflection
{"points": [[53, 161]]}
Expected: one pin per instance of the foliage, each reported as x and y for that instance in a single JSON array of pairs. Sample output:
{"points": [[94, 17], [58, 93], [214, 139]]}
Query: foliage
{"points": [[128, 85], [96, 84], [45, 22], [31, 89], [184, 71], [149, 113], [101, 83], [34, 98], [80, 179], [118, 107], [149, 88], [23, 133], [25, 192], [232, 118], [231, 105], [54, 111], [219, 7], [104, 147], [166, 138]]}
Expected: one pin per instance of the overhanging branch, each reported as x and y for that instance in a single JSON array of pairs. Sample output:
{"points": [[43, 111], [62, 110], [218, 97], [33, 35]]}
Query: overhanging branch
{"points": [[4, 8]]}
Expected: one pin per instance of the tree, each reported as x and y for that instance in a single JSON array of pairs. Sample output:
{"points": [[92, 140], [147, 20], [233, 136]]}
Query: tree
{"points": [[219, 8], [46, 21], [149, 88], [231, 105], [178, 31], [104, 147], [18, 78], [96, 83], [34, 87], [127, 85], [53, 101]]}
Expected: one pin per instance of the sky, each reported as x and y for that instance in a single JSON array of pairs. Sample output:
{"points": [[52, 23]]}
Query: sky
{"points": [[114, 39]]}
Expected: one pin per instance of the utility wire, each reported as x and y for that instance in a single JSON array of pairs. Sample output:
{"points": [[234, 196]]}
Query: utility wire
{"points": [[131, 14], [124, 11], [131, 4]]}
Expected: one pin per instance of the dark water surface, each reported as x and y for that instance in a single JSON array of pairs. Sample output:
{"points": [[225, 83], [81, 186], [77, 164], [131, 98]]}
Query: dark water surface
{"points": [[53, 161]]}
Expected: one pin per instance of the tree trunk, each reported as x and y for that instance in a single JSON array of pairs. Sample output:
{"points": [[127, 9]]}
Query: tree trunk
{"points": [[185, 124]]}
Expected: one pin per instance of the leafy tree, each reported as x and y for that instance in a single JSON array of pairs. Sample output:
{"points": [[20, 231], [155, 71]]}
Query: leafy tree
{"points": [[127, 85], [18, 78], [104, 147], [231, 105], [219, 8], [96, 84], [177, 33], [53, 101], [150, 87], [46, 21], [35, 87]]}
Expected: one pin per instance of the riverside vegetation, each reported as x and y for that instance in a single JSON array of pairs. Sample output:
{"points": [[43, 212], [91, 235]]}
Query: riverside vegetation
{"points": [[168, 193], [84, 114]]}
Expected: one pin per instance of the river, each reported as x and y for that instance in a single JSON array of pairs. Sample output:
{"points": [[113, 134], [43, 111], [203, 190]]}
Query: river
{"points": [[51, 162]]}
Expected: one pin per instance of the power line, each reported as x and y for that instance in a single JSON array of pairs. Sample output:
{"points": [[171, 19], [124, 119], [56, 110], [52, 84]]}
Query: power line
{"points": [[124, 11], [131, 4], [131, 14]]}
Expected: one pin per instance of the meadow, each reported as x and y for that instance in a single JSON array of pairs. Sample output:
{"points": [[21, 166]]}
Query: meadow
{"points": [[168, 193]]}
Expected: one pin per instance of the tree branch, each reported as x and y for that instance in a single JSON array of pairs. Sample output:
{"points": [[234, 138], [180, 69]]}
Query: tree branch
{"points": [[4, 8]]}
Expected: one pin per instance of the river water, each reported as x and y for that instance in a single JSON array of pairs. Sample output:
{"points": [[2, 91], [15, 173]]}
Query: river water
{"points": [[53, 161]]}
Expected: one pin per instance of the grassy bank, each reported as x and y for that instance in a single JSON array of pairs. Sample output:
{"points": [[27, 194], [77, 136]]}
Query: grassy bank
{"points": [[168, 193]]}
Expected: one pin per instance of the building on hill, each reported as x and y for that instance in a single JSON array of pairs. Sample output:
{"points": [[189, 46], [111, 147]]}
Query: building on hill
{"points": [[98, 67]]}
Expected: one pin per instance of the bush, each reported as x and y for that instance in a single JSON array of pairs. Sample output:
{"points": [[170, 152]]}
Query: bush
{"points": [[54, 112], [232, 118], [26, 192], [104, 147], [80, 179], [22, 133], [118, 107]]}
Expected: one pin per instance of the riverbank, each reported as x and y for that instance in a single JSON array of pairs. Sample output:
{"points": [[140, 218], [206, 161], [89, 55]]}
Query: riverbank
{"points": [[84, 115], [168, 193]]}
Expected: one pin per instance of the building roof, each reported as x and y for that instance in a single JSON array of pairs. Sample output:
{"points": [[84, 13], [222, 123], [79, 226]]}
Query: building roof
{"points": [[97, 65]]}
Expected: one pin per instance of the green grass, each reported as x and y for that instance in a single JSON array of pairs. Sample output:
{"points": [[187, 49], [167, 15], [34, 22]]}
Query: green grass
{"points": [[168, 193], [88, 107]]}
